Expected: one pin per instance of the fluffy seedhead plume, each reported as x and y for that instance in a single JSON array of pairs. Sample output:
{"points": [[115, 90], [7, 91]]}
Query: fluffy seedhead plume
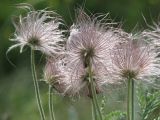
{"points": [[38, 30], [153, 35], [89, 43], [55, 75], [135, 59]]}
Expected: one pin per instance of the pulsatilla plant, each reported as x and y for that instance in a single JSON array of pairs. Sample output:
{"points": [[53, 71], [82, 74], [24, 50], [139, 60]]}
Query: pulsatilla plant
{"points": [[133, 60], [89, 45], [95, 54], [40, 31], [88, 49]]}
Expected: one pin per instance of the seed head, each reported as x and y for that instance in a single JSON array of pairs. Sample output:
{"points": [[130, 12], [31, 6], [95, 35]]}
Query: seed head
{"points": [[153, 35], [89, 43], [55, 75], [134, 59], [40, 31]]}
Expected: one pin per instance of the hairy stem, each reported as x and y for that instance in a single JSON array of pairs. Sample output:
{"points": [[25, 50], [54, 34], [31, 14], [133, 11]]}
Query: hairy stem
{"points": [[36, 85], [130, 100], [51, 110], [94, 112], [95, 100]]}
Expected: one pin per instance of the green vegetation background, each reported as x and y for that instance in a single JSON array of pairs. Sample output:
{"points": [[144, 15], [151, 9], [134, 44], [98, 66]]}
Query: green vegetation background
{"points": [[17, 99]]}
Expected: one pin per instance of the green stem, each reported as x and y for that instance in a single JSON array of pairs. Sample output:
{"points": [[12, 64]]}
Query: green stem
{"points": [[36, 86], [132, 103], [94, 112], [51, 111], [94, 93], [130, 100]]}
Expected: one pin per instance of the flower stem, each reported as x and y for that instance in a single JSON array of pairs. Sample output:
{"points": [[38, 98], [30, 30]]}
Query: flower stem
{"points": [[36, 85], [132, 106], [51, 111], [95, 100], [130, 100], [94, 112]]}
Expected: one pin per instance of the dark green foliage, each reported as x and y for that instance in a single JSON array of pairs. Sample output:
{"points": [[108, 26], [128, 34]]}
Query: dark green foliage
{"points": [[149, 102], [116, 115]]}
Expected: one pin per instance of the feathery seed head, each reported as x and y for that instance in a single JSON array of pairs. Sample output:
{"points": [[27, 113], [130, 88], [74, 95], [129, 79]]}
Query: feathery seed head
{"points": [[80, 84], [90, 40], [55, 75], [39, 30], [153, 35], [89, 43], [134, 59]]}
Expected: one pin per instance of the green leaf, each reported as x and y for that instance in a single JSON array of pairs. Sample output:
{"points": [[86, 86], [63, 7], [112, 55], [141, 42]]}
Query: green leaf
{"points": [[116, 115]]}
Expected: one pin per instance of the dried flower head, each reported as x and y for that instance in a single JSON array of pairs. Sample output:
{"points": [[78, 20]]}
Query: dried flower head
{"points": [[39, 30], [134, 59], [55, 75], [89, 43], [79, 83]]}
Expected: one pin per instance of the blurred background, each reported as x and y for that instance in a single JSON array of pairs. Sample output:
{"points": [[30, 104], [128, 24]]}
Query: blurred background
{"points": [[17, 98]]}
